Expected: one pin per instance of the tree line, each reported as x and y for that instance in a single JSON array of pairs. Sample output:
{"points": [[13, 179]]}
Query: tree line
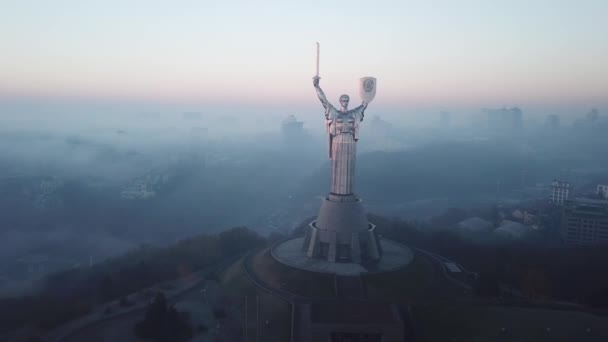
{"points": [[536, 270], [73, 293]]}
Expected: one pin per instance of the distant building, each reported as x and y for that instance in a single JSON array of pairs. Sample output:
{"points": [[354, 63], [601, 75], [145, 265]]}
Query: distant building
{"points": [[602, 191], [552, 121], [504, 119], [592, 121], [35, 264], [593, 115], [292, 127], [527, 217], [585, 222], [382, 136], [380, 125], [560, 192]]}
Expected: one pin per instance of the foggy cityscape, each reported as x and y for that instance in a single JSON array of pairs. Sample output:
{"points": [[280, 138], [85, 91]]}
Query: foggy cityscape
{"points": [[146, 195]]}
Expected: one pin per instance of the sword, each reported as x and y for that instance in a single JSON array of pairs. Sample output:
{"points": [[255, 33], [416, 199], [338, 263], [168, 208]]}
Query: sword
{"points": [[317, 59]]}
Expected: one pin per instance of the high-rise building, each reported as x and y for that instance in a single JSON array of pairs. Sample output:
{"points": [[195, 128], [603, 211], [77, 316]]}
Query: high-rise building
{"points": [[291, 126], [560, 192], [602, 191], [593, 115], [505, 119], [585, 222]]}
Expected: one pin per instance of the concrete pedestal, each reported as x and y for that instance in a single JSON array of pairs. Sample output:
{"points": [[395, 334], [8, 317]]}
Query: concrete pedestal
{"points": [[341, 232]]}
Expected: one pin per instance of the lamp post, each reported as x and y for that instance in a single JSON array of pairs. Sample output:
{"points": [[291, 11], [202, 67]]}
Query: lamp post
{"points": [[245, 330]]}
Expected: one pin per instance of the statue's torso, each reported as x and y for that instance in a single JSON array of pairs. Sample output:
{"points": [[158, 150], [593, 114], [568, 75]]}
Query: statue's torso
{"points": [[344, 122]]}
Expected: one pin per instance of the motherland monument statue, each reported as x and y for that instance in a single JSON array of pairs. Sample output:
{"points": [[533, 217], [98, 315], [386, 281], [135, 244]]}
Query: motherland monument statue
{"points": [[341, 232]]}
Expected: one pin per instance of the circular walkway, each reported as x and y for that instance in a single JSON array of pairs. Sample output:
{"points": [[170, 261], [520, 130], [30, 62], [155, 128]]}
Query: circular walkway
{"points": [[394, 256]]}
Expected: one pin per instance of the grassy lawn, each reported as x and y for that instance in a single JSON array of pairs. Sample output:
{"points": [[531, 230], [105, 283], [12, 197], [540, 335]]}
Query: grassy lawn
{"points": [[274, 313], [406, 283], [304, 283], [462, 322]]}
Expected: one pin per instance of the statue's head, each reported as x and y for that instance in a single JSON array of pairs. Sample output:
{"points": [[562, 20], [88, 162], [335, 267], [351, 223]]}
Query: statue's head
{"points": [[344, 99]]}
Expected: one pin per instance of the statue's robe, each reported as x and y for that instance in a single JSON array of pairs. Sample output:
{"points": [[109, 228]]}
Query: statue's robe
{"points": [[343, 133]]}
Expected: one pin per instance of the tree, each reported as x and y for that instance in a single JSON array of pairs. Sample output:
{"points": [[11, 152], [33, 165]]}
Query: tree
{"points": [[106, 288], [154, 318], [449, 218], [487, 285], [219, 313], [164, 323], [238, 240]]}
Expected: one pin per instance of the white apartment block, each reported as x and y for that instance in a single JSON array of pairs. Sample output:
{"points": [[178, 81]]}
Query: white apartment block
{"points": [[560, 191], [602, 191]]}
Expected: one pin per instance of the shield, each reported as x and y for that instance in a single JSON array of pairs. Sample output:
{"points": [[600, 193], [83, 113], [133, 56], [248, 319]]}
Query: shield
{"points": [[367, 88]]}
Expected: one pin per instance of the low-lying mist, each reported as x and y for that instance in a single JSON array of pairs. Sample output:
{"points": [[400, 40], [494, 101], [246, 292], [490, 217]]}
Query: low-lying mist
{"points": [[78, 188]]}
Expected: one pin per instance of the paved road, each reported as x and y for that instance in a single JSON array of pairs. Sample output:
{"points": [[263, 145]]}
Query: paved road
{"points": [[446, 285]]}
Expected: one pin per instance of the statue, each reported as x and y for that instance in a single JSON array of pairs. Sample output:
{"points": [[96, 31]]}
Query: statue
{"points": [[341, 231], [342, 126]]}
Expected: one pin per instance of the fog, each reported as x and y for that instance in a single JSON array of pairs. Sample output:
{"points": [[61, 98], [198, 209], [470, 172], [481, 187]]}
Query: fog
{"points": [[81, 181]]}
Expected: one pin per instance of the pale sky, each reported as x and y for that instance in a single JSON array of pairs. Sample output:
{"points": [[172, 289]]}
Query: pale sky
{"points": [[449, 53]]}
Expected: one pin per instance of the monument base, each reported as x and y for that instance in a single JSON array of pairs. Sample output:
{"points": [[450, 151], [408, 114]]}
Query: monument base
{"points": [[394, 256], [341, 232]]}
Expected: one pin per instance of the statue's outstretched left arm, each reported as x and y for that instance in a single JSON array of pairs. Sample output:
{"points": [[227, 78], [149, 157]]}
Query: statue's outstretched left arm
{"points": [[361, 110]]}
